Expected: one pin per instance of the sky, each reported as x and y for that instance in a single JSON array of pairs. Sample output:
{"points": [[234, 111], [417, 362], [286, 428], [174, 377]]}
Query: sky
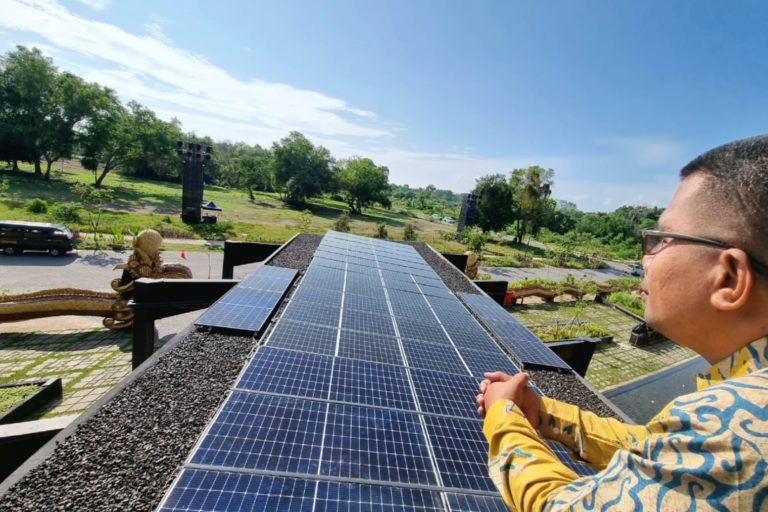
{"points": [[614, 96]]}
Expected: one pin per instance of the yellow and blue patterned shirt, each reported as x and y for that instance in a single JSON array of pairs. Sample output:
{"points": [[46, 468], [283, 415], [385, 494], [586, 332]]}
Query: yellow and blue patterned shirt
{"points": [[704, 451]]}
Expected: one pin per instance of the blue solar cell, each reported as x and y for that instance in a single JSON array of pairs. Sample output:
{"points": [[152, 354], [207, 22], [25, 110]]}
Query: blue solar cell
{"points": [[523, 344], [287, 372], [425, 331], [370, 347], [405, 286], [353, 497], [376, 444], [318, 295], [471, 338], [432, 356], [367, 322], [461, 452], [328, 263], [475, 502], [446, 393], [198, 490], [312, 313], [249, 297], [354, 269], [305, 337], [481, 361], [234, 317], [366, 383], [357, 302], [434, 291], [266, 432]]}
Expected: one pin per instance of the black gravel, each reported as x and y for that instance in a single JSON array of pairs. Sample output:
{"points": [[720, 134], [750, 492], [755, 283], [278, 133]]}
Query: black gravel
{"points": [[298, 254], [569, 388], [451, 276], [126, 455]]}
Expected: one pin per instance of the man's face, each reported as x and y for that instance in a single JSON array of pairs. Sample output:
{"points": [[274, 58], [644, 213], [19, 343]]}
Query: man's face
{"points": [[675, 288]]}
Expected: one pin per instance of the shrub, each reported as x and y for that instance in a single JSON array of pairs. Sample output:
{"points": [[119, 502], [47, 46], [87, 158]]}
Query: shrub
{"points": [[475, 239], [342, 223], [305, 221], [569, 332], [409, 233], [449, 236], [67, 212], [218, 231], [628, 301], [538, 281], [625, 284], [37, 206], [381, 231]]}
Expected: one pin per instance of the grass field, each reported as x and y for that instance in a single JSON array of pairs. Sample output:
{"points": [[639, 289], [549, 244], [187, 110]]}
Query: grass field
{"points": [[138, 204]]}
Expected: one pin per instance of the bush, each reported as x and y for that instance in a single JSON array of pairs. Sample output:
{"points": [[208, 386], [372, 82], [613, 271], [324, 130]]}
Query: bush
{"points": [[449, 236], [409, 233], [37, 206], [628, 301], [381, 231], [538, 281], [342, 223], [304, 223], [475, 239], [569, 332], [67, 212], [625, 284], [218, 231]]}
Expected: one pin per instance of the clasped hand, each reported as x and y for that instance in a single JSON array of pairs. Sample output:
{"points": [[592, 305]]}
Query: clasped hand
{"points": [[500, 386]]}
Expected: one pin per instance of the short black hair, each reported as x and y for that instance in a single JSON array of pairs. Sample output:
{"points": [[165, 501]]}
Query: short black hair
{"points": [[737, 181]]}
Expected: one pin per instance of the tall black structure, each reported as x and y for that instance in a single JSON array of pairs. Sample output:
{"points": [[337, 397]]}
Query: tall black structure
{"points": [[194, 156], [468, 215]]}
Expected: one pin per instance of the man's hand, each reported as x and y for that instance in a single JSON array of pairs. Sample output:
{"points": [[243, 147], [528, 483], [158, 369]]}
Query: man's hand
{"points": [[500, 386]]}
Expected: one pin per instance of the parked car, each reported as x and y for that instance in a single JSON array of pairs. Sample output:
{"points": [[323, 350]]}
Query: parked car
{"points": [[635, 269], [19, 236]]}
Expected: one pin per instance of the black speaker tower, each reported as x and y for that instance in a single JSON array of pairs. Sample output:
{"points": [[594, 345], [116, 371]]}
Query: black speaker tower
{"points": [[194, 156]]}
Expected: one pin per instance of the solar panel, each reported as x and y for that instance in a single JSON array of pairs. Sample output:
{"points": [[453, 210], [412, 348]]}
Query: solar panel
{"points": [[376, 444], [354, 497], [445, 393], [249, 305], [461, 452], [363, 382], [370, 347], [310, 312], [523, 344], [358, 399], [197, 490], [266, 432], [287, 372], [316, 339], [432, 356], [367, 322]]}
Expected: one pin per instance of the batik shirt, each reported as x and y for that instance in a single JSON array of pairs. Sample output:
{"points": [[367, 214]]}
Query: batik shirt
{"points": [[704, 451]]}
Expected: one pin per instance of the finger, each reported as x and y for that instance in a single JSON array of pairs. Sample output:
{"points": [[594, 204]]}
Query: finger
{"points": [[481, 411], [484, 385], [480, 399], [496, 376]]}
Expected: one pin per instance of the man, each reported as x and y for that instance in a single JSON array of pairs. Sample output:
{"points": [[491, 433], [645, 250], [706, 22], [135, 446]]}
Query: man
{"points": [[706, 287]]}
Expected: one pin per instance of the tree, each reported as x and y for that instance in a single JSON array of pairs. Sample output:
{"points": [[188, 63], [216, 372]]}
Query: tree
{"points": [[531, 189], [256, 169], [363, 184], [132, 139], [495, 209], [301, 169], [28, 83], [424, 197]]}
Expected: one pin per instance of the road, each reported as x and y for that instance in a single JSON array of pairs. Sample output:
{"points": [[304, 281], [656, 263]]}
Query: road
{"points": [[91, 270]]}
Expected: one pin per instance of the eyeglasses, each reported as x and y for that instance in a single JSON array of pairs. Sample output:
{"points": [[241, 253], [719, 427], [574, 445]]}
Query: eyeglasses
{"points": [[656, 241]]}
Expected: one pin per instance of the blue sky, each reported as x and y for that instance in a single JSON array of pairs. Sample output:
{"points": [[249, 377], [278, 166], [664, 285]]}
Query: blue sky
{"points": [[615, 96]]}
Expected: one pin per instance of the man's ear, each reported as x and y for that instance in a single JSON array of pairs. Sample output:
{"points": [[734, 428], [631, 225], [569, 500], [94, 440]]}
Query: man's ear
{"points": [[734, 281]]}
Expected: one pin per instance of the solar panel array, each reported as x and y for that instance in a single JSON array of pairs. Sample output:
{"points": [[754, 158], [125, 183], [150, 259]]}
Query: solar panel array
{"points": [[362, 397], [528, 349], [248, 305]]}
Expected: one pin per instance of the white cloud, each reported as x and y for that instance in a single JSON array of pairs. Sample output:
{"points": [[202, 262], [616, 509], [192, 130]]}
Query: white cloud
{"points": [[155, 29], [98, 5]]}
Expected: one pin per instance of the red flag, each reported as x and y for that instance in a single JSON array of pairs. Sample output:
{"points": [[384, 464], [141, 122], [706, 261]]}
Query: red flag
{"points": [[183, 254]]}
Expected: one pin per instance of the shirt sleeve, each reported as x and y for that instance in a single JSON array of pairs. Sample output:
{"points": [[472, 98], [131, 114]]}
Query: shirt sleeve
{"points": [[523, 468], [594, 438]]}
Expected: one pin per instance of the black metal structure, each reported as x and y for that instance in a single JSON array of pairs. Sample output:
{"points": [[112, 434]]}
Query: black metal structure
{"points": [[241, 253], [468, 215], [194, 156]]}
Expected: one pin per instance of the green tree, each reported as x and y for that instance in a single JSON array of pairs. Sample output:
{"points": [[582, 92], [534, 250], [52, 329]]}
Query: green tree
{"points": [[28, 81], [495, 209], [257, 170], [93, 200], [424, 197], [132, 139], [301, 169], [363, 184], [531, 189]]}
